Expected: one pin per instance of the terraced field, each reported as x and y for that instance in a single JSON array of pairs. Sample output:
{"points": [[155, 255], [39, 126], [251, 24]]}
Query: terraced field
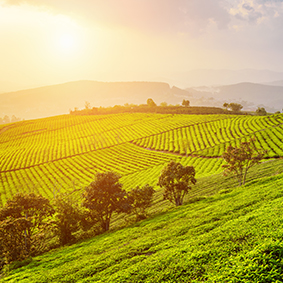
{"points": [[61, 152]]}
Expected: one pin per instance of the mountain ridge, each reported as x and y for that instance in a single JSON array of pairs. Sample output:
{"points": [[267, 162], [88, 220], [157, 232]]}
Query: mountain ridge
{"points": [[59, 99]]}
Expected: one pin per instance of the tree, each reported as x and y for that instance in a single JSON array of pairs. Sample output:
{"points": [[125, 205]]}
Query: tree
{"points": [[163, 104], [235, 107], [176, 180], [241, 159], [21, 221], [141, 199], [150, 102], [66, 219], [87, 105], [104, 196], [186, 103], [261, 111], [6, 119], [15, 119], [226, 105]]}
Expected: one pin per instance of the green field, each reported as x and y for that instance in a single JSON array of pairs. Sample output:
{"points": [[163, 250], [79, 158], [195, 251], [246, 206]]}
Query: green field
{"points": [[222, 234], [57, 153], [228, 235]]}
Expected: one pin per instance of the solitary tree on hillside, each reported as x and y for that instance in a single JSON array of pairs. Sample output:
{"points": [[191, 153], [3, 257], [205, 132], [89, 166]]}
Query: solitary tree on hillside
{"points": [[176, 180], [186, 103], [241, 159], [87, 105], [104, 196], [235, 107], [261, 111], [150, 102]]}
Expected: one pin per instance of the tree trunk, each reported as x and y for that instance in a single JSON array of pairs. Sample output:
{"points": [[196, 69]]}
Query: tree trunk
{"points": [[178, 201], [246, 171], [106, 225]]}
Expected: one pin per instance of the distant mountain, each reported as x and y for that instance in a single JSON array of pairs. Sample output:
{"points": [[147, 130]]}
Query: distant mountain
{"points": [[275, 83], [206, 77], [6, 86], [58, 99], [250, 95]]}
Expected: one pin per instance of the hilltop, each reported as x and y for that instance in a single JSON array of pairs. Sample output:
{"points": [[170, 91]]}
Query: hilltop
{"points": [[59, 99]]}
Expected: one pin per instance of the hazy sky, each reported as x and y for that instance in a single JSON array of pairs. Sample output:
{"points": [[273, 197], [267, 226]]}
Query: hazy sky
{"points": [[53, 41]]}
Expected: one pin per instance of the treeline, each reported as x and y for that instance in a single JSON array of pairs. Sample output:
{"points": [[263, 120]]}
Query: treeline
{"points": [[148, 108], [6, 119]]}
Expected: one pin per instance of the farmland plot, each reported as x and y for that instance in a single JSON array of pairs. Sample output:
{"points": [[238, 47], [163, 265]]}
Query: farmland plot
{"points": [[62, 152]]}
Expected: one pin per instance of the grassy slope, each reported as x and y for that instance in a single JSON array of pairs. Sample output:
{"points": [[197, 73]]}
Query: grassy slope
{"points": [[230, 236], [62, 152]]}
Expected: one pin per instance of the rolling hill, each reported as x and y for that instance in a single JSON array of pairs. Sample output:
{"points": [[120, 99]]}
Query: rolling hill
{"points": [[234, 235], [221, 234], [250, 95], [60, 152], [59, 99]]}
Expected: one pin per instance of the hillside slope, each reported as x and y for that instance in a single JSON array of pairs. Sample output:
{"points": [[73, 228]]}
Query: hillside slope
{"points": [[58, 99], [61, 152], [250, 95], [232, 236]]}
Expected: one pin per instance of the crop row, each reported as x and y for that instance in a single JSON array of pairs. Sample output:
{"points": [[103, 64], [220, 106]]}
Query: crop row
{"points": [[203, 166], [76, 125], [43, 146], [269, 140], [79, 170], [207, 136], [137, 166]]}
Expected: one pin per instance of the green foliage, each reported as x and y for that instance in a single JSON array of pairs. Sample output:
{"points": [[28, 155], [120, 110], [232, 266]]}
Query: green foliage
{"points": [[104, 196], [241, 159], [261, 111], [186, 103], [141, 199], [53, 153], [226, 105], [235, 107], [263, 264], [176, 179], [67, 218], [22, 220], [150, 102], [232, 237]]}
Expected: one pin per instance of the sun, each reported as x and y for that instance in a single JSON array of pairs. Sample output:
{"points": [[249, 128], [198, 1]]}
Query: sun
{"points": [[67, 43]]}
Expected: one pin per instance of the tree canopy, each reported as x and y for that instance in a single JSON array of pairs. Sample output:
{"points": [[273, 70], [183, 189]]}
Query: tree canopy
{"points": [[261, 111], [150, 102], [141, 199], [186, 103], [20, 222], [176, 180], [235, 107], [104, 196], [241, 159]]}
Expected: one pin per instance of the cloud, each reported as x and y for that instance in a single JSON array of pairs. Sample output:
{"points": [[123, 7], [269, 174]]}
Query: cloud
{"points": [[187, 17], [191, 16], [257, 11]]}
